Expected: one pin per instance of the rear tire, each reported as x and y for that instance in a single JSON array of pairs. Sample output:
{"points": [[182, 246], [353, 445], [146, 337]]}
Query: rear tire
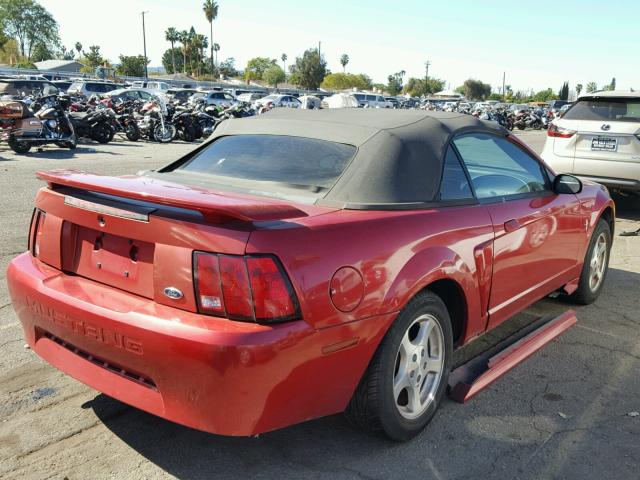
{"points": [[596, 265], [132, 132], [380, 402], [19, 147]]}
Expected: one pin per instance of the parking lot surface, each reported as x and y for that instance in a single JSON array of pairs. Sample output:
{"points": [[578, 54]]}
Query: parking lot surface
{"points": [[570, 411]]}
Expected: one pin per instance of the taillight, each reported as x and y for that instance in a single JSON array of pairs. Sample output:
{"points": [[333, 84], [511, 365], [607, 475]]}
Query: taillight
{"points": [[248, 288], [560, 132], [35, 231]]}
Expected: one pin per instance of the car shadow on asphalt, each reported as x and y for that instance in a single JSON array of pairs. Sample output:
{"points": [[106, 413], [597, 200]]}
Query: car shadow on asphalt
{"points": [[515, 423], [65, 153], [627, 206]]}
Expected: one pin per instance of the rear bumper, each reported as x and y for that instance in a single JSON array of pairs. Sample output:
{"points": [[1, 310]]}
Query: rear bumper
{"points": [[212, 374], [613, 174]]}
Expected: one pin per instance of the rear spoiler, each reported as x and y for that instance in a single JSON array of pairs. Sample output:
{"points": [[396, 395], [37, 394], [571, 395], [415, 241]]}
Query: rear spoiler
{"points": [[216, 207]]}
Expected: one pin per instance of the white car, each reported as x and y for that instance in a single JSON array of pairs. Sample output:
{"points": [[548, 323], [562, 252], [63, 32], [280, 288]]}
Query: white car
{"points": [[598, 138], [215, 97], [371, 100], [279, 100]]}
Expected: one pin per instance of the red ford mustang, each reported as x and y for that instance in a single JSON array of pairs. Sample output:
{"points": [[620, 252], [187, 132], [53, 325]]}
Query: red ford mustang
{"points": [[303, 263]]}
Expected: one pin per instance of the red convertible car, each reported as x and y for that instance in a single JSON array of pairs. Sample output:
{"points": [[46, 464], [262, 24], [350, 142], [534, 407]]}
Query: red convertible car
{"points": [[301, 264]]}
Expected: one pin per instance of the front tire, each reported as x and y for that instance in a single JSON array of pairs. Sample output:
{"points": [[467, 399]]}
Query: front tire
{"points": [[595, 267], [407, 377]]}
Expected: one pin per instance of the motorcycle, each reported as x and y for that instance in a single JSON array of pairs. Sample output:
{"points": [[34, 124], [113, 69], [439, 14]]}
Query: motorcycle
{"points": [[153, 122], [94, 124], [44, 123]]}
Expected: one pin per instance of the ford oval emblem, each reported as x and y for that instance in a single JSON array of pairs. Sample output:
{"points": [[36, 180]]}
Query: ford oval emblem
{"points": [[173, 293]]}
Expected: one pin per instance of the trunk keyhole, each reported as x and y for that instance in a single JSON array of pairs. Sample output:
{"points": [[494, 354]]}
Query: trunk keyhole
{"points": [[133, 253]]}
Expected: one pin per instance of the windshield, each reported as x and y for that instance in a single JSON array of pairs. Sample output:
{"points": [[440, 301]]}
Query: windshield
{"points": [[294, 161], [605, 109]]}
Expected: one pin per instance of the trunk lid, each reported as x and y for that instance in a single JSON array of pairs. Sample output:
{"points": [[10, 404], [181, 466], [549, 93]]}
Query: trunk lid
{"points": [[138, 234]]}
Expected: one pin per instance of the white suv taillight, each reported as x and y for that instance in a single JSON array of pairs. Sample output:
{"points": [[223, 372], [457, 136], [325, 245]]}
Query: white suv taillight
{"points": [[560, 132]]}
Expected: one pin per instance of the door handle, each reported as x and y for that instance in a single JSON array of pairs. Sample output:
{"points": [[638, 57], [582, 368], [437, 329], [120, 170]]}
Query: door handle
{"points": [[511, 225]]}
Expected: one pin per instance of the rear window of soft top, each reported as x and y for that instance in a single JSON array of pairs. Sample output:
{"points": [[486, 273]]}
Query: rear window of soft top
{"points": [[293, 161]]}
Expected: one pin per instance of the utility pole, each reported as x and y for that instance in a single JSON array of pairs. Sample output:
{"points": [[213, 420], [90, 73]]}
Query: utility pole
{"points": [[503, 87], [426, 77], [144, 43], [319, 45]]}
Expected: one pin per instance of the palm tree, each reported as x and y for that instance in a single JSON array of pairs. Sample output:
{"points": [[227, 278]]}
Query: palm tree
{"points": [[216, 48], [79, 48], [183, 38], [199, 43], [192, 37], [210, 9], [171, 35], [344, 59], [284, 63]]}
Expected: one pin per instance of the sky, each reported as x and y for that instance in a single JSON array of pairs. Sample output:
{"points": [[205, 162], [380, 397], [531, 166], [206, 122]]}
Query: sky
{"points": [[537, 44]]}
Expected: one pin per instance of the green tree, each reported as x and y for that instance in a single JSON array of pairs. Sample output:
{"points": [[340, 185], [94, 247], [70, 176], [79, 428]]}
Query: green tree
{"points": [[65, 54], [544, 96], [612, 85], [132, 66], [256, 67], [344, 81], [228, 68], [91, 60], [171, 36], [210, 9], [274, 75], [284, 58], [171, 58], [344, 60], [416, 87], [578, 89], [394, 85], [183, 38], [216, 48], [309, 70], [563, 93], [476, 89], [591, 87], [41, 51], [78, 47], [29, 23]]}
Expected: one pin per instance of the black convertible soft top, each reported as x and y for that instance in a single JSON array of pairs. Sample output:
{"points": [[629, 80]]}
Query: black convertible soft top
{"points": [[400, 153]]}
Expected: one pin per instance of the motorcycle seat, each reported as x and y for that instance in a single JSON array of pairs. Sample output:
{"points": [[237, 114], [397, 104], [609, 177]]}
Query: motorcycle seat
{"points": [[78, 115]]}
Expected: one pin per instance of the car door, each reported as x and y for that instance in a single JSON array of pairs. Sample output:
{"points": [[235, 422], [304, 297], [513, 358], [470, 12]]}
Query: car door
{"points": [[538, 233]]}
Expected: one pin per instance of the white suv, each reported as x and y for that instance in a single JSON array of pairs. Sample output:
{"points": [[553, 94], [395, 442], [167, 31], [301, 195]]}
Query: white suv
{"points": [[371, 100], [598, 138]]}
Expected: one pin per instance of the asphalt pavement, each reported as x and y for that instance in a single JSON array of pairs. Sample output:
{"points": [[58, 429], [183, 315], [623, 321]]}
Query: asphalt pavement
{"points": [[569, 412]]}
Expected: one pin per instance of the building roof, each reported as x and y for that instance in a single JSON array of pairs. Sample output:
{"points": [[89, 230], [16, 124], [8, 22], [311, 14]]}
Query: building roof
{"points": [[400, 153], [56, 64]]}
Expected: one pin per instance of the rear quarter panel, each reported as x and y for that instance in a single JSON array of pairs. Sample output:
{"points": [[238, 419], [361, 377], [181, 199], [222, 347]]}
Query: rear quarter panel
{"points": [[397, 254]]}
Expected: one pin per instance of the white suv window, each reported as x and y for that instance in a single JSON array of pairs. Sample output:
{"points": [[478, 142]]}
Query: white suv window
{"points": [[605, 109]]}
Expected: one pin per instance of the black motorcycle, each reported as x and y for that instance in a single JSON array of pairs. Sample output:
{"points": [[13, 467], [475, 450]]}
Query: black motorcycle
{"points": [[94, 124]]}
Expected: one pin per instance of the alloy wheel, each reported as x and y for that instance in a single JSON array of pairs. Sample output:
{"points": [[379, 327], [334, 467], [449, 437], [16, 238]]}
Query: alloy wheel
{"points": [[419, 366]]}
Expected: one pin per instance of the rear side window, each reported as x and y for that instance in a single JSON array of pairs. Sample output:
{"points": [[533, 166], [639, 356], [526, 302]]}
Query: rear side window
{"points": [[498, 168], [454, 185], [605, 109], [274, 158]]}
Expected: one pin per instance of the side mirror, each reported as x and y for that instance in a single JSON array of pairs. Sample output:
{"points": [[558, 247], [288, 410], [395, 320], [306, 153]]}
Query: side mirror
{"points": [[567, 184]]}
